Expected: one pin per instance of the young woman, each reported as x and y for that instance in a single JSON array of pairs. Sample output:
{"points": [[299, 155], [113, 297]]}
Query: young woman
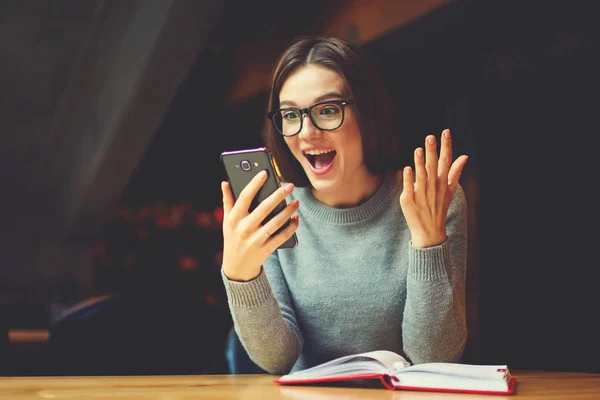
{"points": [[381, 257]]}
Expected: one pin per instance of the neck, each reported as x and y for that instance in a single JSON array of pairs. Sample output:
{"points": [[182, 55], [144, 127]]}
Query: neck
{"points": [[351, 194]]}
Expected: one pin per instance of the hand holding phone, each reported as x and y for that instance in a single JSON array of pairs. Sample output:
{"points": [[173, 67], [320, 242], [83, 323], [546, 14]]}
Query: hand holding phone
{"points": [[257, 219]]}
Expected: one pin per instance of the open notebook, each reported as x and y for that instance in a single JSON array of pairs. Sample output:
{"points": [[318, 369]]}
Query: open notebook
{"points": [[396, 373]]}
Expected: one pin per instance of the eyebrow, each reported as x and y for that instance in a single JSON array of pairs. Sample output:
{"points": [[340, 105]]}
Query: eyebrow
{"points": [[323, 97]]}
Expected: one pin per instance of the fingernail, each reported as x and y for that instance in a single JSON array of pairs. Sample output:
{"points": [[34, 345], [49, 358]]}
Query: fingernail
{"points": [[288, 187], [262, 174], [420, 152], [431, 139], [447, 133]]}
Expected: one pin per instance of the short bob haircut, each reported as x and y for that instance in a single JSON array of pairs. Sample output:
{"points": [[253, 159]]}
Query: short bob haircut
{"points": [[372, 103]]}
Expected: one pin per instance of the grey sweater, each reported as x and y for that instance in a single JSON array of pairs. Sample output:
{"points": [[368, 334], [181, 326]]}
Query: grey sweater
{"points": [[353, 284]]}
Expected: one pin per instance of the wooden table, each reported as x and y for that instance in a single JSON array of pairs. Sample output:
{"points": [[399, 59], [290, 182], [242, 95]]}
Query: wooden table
{"points": [[531, 385]]}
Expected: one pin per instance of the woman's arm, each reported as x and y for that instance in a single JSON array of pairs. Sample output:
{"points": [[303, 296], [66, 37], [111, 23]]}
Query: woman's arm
{"points": [[268, 331], [434, 324]]}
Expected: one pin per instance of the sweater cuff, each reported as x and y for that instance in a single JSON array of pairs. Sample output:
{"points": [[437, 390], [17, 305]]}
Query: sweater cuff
{"points": [[249, 294], [430, 263]]}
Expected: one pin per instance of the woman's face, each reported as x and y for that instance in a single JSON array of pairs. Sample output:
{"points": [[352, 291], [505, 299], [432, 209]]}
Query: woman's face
{"points": [[332, 160]]}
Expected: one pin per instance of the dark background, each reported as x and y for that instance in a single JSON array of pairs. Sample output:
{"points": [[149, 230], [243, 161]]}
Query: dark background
{"points": [[94, 207]]}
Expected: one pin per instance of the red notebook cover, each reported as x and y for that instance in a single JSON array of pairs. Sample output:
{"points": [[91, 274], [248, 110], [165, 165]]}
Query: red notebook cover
{"points": [[512, 383], [387, 382]]}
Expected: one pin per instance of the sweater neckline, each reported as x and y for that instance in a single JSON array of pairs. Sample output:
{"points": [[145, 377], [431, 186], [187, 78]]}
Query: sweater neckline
{"points": [[311, 207]]}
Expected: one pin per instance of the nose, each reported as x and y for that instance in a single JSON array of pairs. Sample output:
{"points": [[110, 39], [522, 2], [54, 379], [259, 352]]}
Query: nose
{"points": [[309, 130]]}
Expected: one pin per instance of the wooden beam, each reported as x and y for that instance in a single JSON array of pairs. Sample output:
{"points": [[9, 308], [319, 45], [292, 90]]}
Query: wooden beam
{"points": [[359, 21]]}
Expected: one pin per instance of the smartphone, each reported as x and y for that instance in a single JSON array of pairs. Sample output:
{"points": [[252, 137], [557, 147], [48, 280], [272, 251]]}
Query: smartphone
{"points": [[241, 166]]}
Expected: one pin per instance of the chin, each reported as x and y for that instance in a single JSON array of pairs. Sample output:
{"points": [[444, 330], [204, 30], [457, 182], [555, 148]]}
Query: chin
{"points": [[323, 185]]}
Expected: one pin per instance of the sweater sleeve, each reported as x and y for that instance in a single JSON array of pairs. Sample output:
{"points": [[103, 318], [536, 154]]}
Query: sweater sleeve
{"points": [[434, 324], [268, 333]]}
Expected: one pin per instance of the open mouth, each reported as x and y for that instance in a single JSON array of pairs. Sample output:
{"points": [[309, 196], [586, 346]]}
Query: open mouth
{"points": [[320, 159]]}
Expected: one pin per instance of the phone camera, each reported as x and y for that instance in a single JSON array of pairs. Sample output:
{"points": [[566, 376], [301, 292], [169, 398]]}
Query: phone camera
{"points": [[246, 165]]}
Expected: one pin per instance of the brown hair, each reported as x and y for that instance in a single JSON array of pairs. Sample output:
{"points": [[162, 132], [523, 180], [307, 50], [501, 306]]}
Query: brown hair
{"points": [[372, 103]]}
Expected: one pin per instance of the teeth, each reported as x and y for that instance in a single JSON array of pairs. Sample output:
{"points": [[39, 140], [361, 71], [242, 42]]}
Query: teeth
{"points": [[317, 152]]}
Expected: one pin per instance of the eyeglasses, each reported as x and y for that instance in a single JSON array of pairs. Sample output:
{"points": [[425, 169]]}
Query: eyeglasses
{"points": [[326, 115]]}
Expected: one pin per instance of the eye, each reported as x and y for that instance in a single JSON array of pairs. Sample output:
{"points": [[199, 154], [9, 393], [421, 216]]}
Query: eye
{"points": [[329, 110], [290, 115]]}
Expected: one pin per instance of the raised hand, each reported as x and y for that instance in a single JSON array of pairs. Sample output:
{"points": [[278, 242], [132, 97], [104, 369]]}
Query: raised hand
{"points": [[426, 198], [247, 243]]}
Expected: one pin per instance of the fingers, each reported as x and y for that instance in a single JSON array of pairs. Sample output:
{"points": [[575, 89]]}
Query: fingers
{"points": [[269, 204], [445, 154], [453, 176], [444, 165], [434, 175], [426, 164], [285, 233], [228, 200], [420, 172], [247, 224], [247, 195], [449, 170], [408, 186], [456, 170], [269, 229], [431, 165]]}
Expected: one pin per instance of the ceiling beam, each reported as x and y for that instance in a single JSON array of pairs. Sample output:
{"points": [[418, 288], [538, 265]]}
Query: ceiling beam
{"points": [[359, 21]]}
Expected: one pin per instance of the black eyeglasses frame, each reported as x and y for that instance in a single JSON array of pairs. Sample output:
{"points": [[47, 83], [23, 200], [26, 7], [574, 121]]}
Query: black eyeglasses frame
{"points": [[307, 111]]}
